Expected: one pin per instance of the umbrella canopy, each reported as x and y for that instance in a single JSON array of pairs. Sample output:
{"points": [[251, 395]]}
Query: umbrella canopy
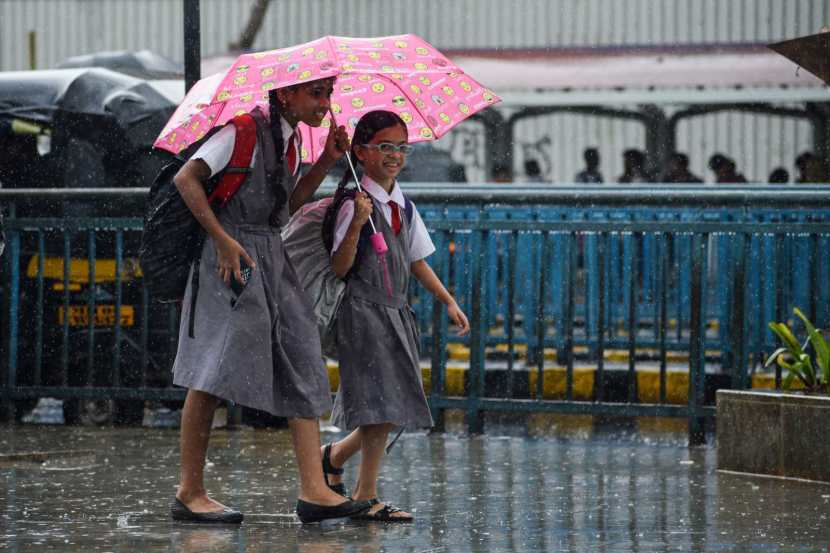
{"points": [[143, 64], [403, 73], [810, 52], [85, 101]]}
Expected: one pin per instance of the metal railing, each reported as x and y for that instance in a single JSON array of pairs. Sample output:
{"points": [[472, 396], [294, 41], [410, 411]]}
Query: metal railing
{"points": [[775, 262], [602, 300], [78, 322]]}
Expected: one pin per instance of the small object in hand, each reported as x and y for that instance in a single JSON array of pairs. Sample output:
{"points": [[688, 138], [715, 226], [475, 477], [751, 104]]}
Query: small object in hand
{"points": [[237, 286]]}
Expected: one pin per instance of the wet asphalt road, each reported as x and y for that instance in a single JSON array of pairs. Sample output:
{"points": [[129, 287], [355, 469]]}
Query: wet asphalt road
{"points": [[543, 484]]}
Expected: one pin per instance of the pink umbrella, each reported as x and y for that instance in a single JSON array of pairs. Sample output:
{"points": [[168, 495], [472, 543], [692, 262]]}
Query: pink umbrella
{"points": [[404, 74]]}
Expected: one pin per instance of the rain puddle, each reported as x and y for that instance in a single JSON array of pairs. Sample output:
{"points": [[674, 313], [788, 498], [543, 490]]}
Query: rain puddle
{"points": [[60, 460]]}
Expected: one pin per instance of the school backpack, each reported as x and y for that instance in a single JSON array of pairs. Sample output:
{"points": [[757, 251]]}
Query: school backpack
{"points": [[172, 238], [308, 238]]}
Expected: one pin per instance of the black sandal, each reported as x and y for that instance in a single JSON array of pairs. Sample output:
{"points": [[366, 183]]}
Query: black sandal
{"points": [[328, 468], [384, 514]]}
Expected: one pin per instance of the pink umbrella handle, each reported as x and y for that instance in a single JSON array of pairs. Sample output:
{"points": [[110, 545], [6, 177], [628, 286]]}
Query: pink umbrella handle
{"points": [[377, 239], [379, 243], [359, 188]]}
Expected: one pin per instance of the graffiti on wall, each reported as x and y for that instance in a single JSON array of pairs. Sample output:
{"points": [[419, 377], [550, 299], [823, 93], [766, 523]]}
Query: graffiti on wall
{"points": [[466, 146], [539, 150]]}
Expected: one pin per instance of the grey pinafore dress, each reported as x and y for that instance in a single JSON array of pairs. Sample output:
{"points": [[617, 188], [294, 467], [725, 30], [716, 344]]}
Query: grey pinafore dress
{"points": [[260, 349], [377, 342]]}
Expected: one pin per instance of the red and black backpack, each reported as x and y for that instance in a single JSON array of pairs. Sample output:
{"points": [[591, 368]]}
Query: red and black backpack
{"points": [[172, 239]]}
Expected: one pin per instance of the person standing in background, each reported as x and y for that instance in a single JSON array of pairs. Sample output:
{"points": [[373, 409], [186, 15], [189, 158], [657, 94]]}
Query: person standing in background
{"points": [[634, 168], [801, 163], [725, 170], [677, 170], [533, 172], [591, 174], [779, 175]]}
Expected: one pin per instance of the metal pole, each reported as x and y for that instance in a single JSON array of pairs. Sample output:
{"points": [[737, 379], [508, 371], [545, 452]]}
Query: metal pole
{"points": [[738, 325], [32, 50], [439, 333], [192, 43], [478, 338], [13, 319], [697, 340]]}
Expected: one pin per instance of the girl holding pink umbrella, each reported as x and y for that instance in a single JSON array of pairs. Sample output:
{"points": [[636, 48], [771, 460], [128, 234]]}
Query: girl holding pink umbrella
{"points": [[377, 340]]}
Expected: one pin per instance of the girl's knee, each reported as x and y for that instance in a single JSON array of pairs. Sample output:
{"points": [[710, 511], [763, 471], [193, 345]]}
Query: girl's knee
{"points": [[375, 432], [202, 399]]}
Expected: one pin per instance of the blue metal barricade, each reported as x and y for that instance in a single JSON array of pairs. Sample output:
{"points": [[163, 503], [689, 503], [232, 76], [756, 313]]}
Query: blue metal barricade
{"points": [[601, 284]]}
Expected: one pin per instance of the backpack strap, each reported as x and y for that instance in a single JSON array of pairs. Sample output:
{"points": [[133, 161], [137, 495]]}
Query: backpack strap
{"points": [[239, 166], [194, 292], [233, 175], [408, 209]]}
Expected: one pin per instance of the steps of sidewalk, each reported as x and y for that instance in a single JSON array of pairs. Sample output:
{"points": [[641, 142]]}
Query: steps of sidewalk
{"points": [[584, 377]]}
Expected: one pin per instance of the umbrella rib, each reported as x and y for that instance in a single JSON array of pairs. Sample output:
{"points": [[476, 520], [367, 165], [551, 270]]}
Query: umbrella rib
{"points": [[331, 46]]}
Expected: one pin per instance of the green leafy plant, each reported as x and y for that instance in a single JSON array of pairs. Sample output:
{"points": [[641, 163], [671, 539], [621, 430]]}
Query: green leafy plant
{"points": [[808, 361]]}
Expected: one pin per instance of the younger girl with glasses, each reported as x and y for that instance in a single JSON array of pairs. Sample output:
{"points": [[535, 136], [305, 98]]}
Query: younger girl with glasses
{"points": [[377, 338]]}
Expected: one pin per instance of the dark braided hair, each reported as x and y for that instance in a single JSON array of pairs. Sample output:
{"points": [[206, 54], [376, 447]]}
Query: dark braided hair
{"points": [[275, 110], [368, 126]]}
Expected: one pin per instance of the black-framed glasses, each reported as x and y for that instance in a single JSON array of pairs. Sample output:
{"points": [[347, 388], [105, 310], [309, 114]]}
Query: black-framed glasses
{"points": [[389, 148]]}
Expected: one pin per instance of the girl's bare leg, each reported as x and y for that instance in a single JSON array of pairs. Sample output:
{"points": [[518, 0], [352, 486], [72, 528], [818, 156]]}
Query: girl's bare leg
{"points": [[373, 440], [342, 451], [197, 418], [305, 433]]}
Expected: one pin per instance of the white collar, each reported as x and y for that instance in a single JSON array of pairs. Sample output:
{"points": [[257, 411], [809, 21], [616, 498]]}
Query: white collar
{"points": [[287, 129], [377, 192]]}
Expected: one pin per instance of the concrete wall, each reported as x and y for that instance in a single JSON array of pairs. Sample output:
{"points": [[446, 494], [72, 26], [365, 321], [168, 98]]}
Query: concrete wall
{"points": [[773, 434], [70, 27]]}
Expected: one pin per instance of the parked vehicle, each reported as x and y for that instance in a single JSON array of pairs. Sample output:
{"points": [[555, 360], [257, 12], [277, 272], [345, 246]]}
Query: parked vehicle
{"points": [[84, 128]]}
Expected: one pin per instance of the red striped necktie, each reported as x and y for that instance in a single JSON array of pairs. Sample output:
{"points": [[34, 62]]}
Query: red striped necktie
{"points": [[396, 217], [291, 154]]}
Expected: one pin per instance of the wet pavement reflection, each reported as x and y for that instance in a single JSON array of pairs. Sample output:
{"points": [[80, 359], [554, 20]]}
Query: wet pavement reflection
{"points": [[545, 483]]}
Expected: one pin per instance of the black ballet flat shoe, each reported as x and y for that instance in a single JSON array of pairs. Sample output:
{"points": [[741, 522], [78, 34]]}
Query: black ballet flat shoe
{"points": [[180, 512], [384, 514], [328, 468], [311, 512]]}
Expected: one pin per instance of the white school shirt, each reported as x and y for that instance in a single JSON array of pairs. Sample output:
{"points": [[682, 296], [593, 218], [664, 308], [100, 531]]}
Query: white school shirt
{"points": [[420, 244], [217, 151]]}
